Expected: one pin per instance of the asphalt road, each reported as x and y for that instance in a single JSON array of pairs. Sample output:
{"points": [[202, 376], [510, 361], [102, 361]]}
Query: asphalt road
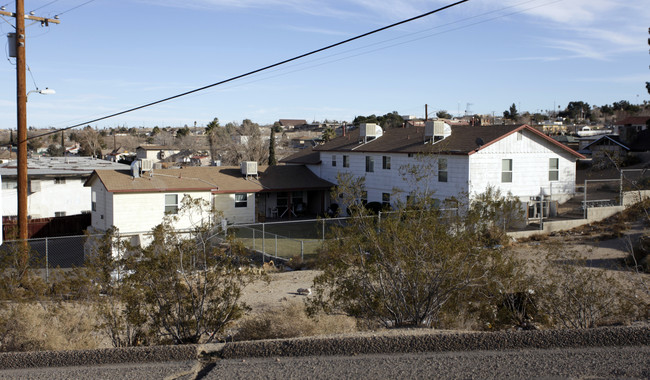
{"points": [[606, 363], [591, 363]]}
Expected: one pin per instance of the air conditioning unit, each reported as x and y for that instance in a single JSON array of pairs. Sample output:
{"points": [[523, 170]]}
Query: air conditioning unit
{"points": [[249, 168], [146, 165], [34, 186], [436, 130], [369, 131]]}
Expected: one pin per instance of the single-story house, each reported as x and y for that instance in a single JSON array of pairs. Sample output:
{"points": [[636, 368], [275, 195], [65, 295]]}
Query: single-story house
{"points": [[136, 202]]}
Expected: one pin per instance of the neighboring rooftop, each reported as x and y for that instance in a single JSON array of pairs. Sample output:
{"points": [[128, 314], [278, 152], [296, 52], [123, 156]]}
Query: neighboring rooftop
{"points": [[216, 179], [60, 166], [463, 140]]}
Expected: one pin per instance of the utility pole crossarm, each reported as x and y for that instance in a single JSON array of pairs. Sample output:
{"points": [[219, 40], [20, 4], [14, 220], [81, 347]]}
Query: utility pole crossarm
{"points": [[35, 18]]}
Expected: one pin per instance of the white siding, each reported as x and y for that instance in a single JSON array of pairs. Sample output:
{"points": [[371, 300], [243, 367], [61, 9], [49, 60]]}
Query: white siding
{"points": [[530, 166], [70, 197], [226, 204], [399, 180], [140, 212]]}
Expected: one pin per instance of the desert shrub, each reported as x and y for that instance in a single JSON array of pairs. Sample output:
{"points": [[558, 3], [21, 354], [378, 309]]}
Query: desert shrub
{"points": [[577, 296], [410, 267], [180, 289], [639, 256], [290, 322]]}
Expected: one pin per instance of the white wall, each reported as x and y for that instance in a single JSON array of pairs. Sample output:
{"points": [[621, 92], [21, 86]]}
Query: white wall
{"points": [[530, 167], [226, 204], [140, 212], [70, 197], [400, 180]]}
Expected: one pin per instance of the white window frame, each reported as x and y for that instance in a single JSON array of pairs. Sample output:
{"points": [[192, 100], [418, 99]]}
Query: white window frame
{"points": [[506, 170], [333, 160], [170, 206], [553, 169]]}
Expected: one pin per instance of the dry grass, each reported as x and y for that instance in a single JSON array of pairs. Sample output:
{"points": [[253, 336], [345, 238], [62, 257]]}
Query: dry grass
{"points": [[36, 327], [292, 322]]}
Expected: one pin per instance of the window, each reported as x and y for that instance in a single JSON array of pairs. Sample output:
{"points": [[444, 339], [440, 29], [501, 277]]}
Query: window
{"points": [[334, 160], [385, 162], [9, 185], [346, 161], [370, 164], [411, 155], [553, 169], [59, 181], [58, 214], [241, 200], [442, 170], [506, 170], [93, 197], [171, 203], [385, 199]]}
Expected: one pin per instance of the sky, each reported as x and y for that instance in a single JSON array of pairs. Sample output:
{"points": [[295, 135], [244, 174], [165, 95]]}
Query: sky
{"points": [[481, 56]]}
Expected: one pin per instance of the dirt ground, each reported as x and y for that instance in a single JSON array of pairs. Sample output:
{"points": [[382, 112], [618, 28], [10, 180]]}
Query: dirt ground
{"points": [[596, 243]]}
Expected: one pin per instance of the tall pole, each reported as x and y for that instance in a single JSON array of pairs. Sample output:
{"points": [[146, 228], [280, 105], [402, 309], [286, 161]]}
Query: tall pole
{"points": [[21, 108], [21, 99]]}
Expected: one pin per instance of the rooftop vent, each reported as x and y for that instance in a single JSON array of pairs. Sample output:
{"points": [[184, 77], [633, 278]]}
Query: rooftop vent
{"points": [[249, 168], [369, 131], [436, 130]]}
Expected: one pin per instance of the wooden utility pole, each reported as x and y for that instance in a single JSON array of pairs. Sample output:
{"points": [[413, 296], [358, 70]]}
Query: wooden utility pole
{"points": [[21, 99]]}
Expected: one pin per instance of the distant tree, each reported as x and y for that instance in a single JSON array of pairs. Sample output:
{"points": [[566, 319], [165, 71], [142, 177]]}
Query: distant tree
{"points": [[387, 121], [512, 113], [577, 110], [647, 86], [155, 131], [211, 131], [328, 134], [443, 114], [54, 150], [272, 160], [182, 132], [277, 127], [34, 143], [91, 142]]}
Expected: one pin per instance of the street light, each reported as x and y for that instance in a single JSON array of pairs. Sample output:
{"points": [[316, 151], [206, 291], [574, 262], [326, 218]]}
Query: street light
{"points": [[46, 91]]}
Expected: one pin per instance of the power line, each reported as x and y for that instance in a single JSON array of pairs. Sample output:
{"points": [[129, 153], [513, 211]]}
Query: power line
{"points": [[73, 8], [43, 6], [254, 71]]}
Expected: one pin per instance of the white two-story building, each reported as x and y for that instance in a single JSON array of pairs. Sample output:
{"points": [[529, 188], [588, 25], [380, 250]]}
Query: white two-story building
{"points": [[451, 161]]}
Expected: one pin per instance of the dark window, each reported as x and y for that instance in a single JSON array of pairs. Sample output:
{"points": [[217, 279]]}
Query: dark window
{"points": [[346, 161], [385, 162], [370, 164], [241, 200], [442, 170]]}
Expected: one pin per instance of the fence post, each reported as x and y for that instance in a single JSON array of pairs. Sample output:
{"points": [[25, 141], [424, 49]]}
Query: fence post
{"points": [[263, 242], [323, 229], [47, 262], [584, 204], [253, 239], [621, 189], [302, 250], [276, 245]]}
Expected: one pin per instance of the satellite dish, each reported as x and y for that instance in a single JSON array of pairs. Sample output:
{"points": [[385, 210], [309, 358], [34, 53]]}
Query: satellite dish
{"points": [[479, 142]]}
